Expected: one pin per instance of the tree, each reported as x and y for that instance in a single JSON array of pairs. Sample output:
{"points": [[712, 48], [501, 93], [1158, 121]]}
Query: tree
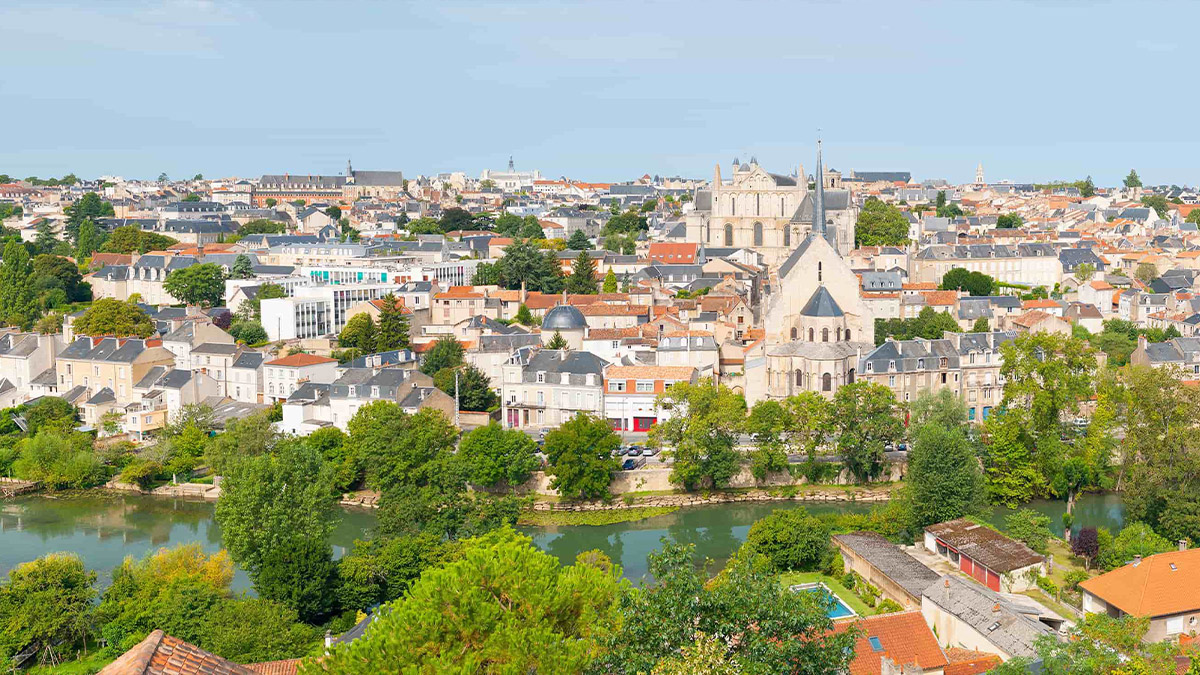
{"points": [[242, 268], [248, 332], [581, 457], [271, 202], [46, 604], [393, 327], [455, 218], [524, 316], [705, 655], [610, 281], [255, 630], [975, 283], [944, 481], [89, 240], [1133, 180], [89, 207], [17, 303], [1031, 528], [45, 240], [1008, 221], [250, 436], [943, 408], [473, 388], [398, 449], [578, 241], [880, 224], [129, 239], [791, 539], [1135, 539], [1085, 272], [276, 514], [557, 341], [486, 274], [1088, 189], [981, 325], [202, 284], [446, 352], [767, 425], [334, 212], [1086, 544], [496, 455], [549, 620], [262, 226], [1157, 202], [1011, 475], [57, 272], [58, 460], [381, 569], [1146, 272], [582, 279], [764, 627], [359, 333], [700, 432], [193, 197], [867, 419], [525, 265]]}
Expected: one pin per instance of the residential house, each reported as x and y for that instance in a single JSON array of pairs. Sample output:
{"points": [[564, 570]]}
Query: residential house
{"points": [[547, 387], [1163, 587], [631, 394], [115, 364], [411, 389], [284, 376], [23, 357], [244, 377], [894, 644]]}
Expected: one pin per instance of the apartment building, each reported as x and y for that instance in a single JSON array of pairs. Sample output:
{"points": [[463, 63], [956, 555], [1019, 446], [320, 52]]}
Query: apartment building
{"points": [[315, 311], [1031, 264], [547, 387], [282, 377], [110, 363], [631, 394]]}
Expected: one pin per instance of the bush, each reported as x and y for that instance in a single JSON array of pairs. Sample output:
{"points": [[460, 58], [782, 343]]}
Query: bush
{"points": [[1136, 539], [834, 565], [792, 540], [1048, 585], [887, 606], [141, 472], [58, 461], [1030, 527], [1074, 578]]}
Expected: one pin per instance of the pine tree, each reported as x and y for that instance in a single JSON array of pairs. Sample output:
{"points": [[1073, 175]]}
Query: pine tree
{"points": [[242, 268], [579, 241], [524, 316], [557, 342], [610, 282], [582, 279], [45, 239], [393, 326], [17, 302], [1133, 180]]}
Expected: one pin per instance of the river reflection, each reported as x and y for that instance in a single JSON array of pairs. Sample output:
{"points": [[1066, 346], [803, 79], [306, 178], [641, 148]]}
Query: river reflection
{"points": [[105, 528]]}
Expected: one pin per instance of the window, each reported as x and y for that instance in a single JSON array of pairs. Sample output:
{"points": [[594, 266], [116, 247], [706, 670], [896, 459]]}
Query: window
{"points": [[794, 337], [825, 335], [616, 385], [826, 382], [876, 645], [820, 273], [728, 234], [847, 335], [787, 236], [645, 387], [758, 234], [870, 367], [799, 378], [541, 377], [850, 376], [839, 333], [1175, 625], [891, 380], [810, 335]]}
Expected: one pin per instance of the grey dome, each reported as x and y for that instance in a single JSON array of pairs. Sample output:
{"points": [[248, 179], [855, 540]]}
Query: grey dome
{"points": [[564, 317]]}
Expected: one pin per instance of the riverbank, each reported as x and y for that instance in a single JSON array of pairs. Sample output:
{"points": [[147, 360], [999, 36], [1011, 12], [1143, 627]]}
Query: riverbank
{"points": [[856, 494], [592, 518]]}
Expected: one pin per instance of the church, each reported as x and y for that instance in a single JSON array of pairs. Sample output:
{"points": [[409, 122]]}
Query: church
{"points": [[816, 323]]}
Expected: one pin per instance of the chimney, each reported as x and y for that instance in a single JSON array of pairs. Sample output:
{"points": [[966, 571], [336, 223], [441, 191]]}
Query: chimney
{"points": [[1183, 544], [1137, 560], [996, 608]]}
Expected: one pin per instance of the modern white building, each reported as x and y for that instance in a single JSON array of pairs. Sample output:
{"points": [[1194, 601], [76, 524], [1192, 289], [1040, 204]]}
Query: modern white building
{"points": [[314, 311]]}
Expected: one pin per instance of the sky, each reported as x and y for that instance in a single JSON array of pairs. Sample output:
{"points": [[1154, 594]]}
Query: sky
{"points": [[598, 91]]}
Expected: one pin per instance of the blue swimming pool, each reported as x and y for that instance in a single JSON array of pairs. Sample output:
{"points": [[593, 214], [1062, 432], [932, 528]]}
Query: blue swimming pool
{"points": [[838, 610]]}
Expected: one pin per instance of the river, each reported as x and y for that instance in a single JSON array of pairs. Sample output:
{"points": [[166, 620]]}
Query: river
{"points": [[105, 528]]}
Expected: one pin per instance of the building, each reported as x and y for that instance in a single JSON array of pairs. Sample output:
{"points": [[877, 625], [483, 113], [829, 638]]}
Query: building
{"points": [[631, 394], [1182, 353], [411, 389], [23, 357], [283, 376], [898, 575], [985, 555], [888, 643], [546, 387], [1163, 587], [315, 311], [115, 364], [968, 616], [1032, 264]]}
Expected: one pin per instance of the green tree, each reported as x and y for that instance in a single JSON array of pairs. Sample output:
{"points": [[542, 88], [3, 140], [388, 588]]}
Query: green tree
{"points": [[496, 455], [359, 333], [17, 303], [1157, 202], [474, 389], [1146, 272], [242, 268], [89, 240], [525, 264], [1011, 475], [1048, 375], [1085, 272], [56, 272], [381, 569], [706, 655], [1088, 189], [89, 207], [1009, 221], [271, 202], [202, 284], [1132, 180], [393, 327], [250, 436], [58, 460], [262, 226], [628, 223], [578, 241], [867, 418], [700, 433], [792, 540], [46, 604], [248, 332], [129, 239], [943, 481], [486, 274], [276, 514], [557, 341], [455, 218], [446, 352], [975, 283], [981, 325], [767, 425], [1135, 539], [1031, 528], [580, 454], [582, 279], [549, 620], [256, 630], [398, 449], [765, 627], [942, 408], [610, 281], [880, 224]]}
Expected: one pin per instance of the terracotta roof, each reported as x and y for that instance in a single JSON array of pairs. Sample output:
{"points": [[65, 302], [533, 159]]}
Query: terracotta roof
{"points": [[903, 637], [985, 545], [460, 292], [649, 372], [300, 360], [1101, 285], [378, 303], [688, 333], [603, 309], [940, 298], [161, 654], [968, 662], [922, 286], [1031, 318], [284, 667], [1045, 303], [1167, 583], [613, 333]]}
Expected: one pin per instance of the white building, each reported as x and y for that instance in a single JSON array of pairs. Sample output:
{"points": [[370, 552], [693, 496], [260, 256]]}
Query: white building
{"points": [[314, 311], [284, 376]]}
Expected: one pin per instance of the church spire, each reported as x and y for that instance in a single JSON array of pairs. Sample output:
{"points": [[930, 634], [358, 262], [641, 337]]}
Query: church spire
{"points": [[819, 198]]}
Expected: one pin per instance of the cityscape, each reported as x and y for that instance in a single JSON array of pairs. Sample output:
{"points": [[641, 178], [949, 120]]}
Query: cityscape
{"points": [[602, 408]]}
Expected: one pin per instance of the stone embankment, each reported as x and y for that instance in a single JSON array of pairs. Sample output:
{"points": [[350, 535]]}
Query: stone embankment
{"points": [[698, 499]]}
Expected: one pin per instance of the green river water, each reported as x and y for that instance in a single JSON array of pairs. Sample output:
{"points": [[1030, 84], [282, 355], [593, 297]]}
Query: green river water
{"points": [[104, 529]]}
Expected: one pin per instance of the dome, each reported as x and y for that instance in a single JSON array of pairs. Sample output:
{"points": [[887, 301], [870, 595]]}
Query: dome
{"points": [[564, 317]]}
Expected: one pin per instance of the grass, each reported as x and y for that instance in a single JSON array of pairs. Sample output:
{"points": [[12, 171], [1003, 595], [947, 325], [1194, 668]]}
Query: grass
{"points": [[606, 517], [92, 663], [844, 594], [1061, 609]]}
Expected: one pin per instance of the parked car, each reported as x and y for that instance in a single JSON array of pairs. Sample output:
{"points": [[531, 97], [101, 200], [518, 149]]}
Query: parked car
{"points": [[634, 451], [650, 452], [628, 465]]}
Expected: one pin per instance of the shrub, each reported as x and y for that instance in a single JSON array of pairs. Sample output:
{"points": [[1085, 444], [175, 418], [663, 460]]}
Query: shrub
{"points": [[1030, 527], [834, 565], [141, 472], [887, 606], [1074, 577], [850, 580], [1048, 585], [1136, 539], [792, 540]]}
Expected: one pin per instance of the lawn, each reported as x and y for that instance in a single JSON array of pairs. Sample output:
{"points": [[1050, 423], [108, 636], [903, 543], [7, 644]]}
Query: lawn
{"points": [[846, 595]]}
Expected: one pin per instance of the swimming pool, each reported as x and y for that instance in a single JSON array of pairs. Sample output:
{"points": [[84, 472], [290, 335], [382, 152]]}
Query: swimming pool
{"points": [[839, 610]]}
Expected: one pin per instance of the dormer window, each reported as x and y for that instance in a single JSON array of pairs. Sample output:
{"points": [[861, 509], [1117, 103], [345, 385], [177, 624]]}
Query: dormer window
{"points": [[891, 365], [541, 377], [870, 367]]}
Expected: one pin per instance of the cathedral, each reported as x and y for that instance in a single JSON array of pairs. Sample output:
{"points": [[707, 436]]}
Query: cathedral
{"points": [[816, 324]]}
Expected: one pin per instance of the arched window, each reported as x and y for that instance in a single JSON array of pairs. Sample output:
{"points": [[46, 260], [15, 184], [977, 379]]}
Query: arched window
{"points": [[782, 207], [820, 273], [728, 234], [847, 335], [839, 334], [793, 332], [825, 335], [810, 335], [799, 378], [758, 234], [826, 382], [757, 205], [850, 377], [787, 236], [732, 205]]}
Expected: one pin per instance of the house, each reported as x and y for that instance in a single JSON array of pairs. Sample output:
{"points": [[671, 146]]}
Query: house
{"points": [[1164, 587], [1038, 321], [546, 387], [631, 394], [283, 376], [898, 575], [992, 559], [888, 643], [161, 654], [244, 379], [23, 357], [115, 364], [411, 389], [968, 616]]}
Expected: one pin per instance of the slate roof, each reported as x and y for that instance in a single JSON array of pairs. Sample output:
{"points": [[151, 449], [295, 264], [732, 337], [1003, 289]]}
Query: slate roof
{"points": [[150, 377], [18, 344], [988, 613], [107, 349], [575, 363], [906, 571], [821, 304], [252, 360], [105, 395]]}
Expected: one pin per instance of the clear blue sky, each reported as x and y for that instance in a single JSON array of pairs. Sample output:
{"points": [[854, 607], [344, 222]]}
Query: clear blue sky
{"points": [[598, 90]]}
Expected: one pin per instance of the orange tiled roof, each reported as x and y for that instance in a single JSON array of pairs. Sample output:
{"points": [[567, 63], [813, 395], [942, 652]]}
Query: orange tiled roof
{"points": [[649, 372], [1101, 285], [300, 360], [903, 637], [284, 667], [968, 662], [922, 286], [1045, 303], [603, 309], [161, 654], [1167, 583], [940, 298], [460, 292], [613, 333]]}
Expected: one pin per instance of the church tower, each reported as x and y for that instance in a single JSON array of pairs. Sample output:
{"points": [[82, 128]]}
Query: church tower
{"points": [[979, 174]]}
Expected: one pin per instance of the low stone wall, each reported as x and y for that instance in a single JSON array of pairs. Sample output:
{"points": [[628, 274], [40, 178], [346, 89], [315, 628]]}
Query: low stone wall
{"points": [[868, 495], [189, 490]]}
